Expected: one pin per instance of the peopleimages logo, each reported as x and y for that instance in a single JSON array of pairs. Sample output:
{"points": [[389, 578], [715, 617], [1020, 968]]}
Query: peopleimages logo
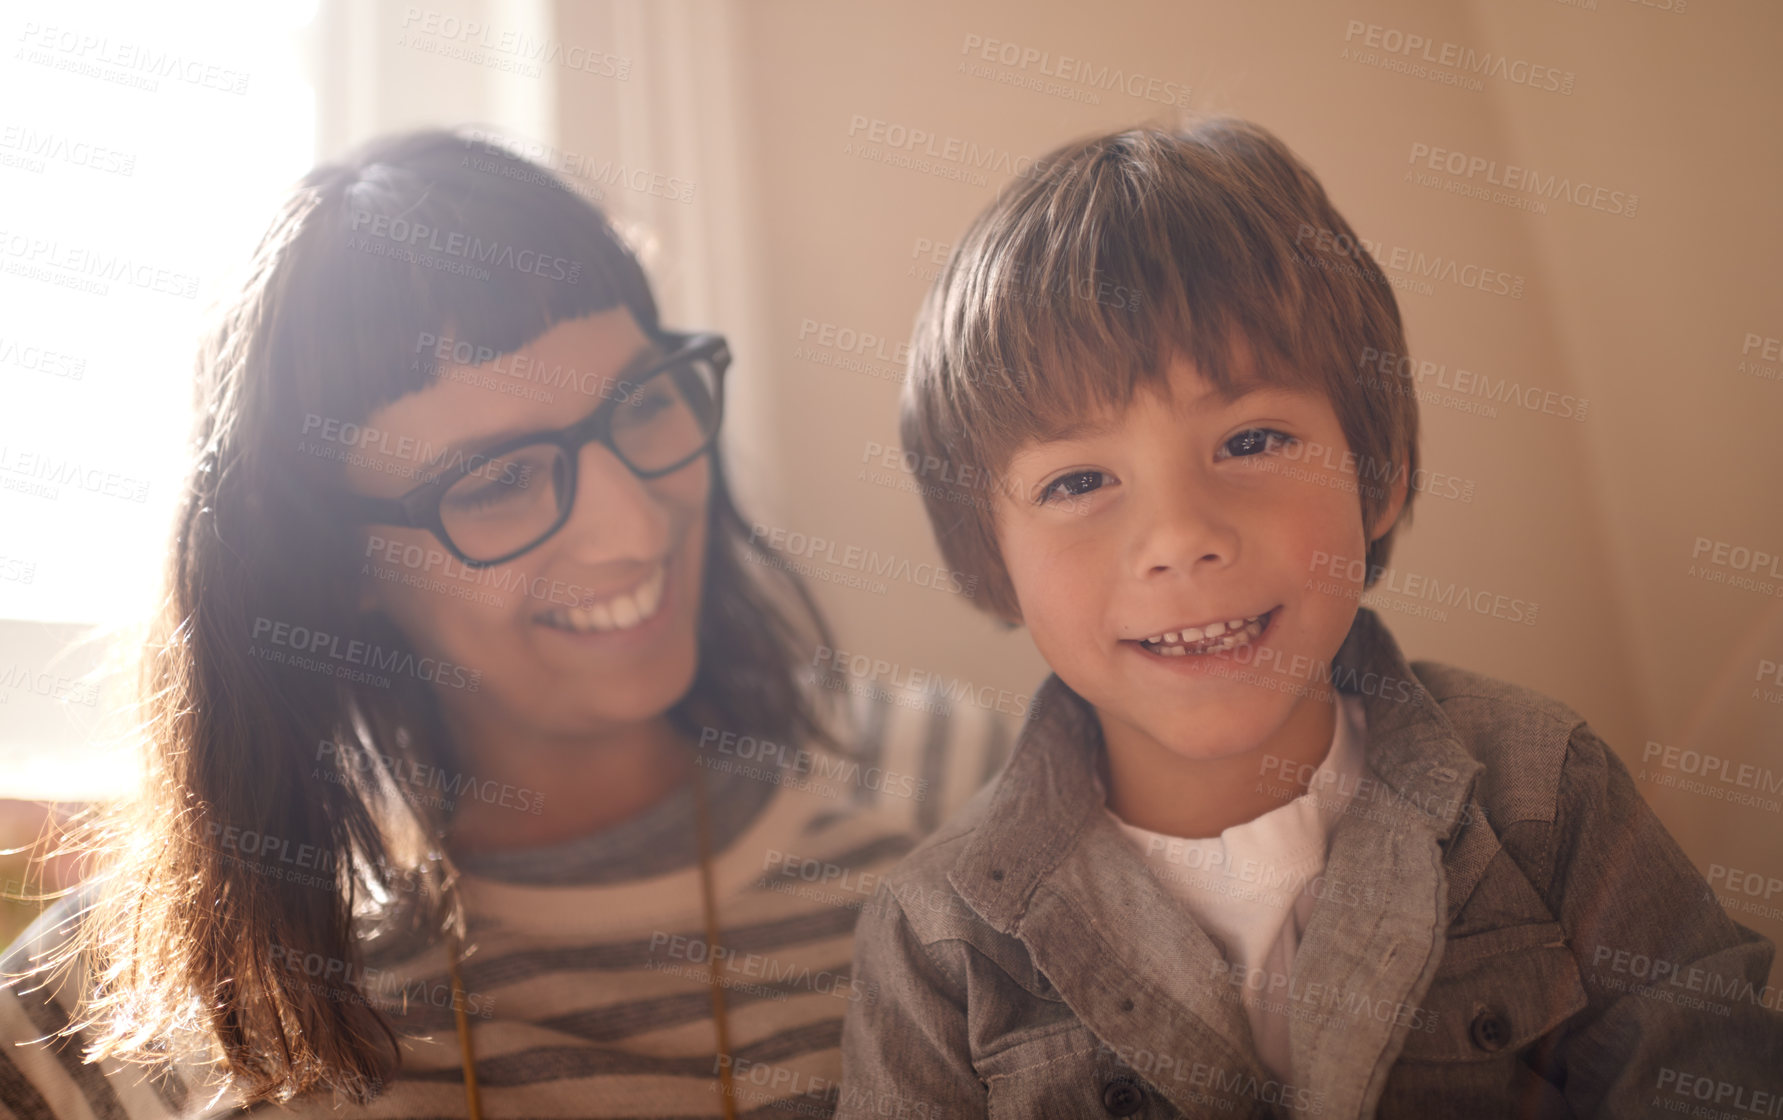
{"points": [[43, 474], [448, 787], [1415, 263], [420, 236], [384, 988], [356, 658], [1385, 369], [1419, 586], [959, 158], [39, 359], [38, 146], [956, 690], [1706, 1087], [101, 56], [855, 558], [799, 762], [1405, 46], [1511, 177], [584, 169], [512, 48], [377, 444], [88, 268], [1065, 69]]}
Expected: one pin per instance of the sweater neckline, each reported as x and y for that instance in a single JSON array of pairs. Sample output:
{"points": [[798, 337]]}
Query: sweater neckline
{"points": [[657, 841]]}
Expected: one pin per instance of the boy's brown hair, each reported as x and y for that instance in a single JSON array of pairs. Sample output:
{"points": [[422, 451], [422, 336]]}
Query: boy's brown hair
{"points": [[1073, 288]]}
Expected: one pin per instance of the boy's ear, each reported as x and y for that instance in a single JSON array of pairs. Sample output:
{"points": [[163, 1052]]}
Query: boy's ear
{"points": [[1388, 515]]}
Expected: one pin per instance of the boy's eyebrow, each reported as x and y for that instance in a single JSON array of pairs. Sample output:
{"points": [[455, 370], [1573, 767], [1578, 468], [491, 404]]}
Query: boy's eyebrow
{"points": [[1092, 428], [1077, 429]]}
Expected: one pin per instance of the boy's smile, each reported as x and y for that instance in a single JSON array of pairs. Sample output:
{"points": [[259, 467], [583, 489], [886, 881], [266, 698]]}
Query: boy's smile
{"points": [[1164, 566], [1216, 637]]}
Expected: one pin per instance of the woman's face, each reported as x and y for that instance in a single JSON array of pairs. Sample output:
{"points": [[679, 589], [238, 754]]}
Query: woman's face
{"points": [[590, 631]]}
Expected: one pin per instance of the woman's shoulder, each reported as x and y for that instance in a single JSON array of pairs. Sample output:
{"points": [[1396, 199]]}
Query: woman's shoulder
{"points": [[916, 756], [42, 1071], [856, 810], [50, 933]]}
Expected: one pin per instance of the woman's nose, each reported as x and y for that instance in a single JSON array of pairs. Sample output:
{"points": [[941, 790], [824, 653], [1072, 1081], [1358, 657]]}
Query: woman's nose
{"points": [[615, 515]]}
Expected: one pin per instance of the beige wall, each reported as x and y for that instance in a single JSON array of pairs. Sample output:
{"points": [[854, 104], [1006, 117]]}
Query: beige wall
{"points": [[1643, 316]]}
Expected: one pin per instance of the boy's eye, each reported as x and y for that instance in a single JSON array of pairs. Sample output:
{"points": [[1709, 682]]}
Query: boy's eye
{"points": [[1073, 485], [1256, 441]]}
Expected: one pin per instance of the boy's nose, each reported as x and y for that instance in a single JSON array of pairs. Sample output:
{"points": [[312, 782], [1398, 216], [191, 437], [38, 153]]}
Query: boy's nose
{"points": [[1185, 529], [615, 516]]}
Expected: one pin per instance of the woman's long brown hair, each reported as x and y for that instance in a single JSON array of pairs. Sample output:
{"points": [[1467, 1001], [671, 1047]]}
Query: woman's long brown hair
{"points": [[190, 929]]}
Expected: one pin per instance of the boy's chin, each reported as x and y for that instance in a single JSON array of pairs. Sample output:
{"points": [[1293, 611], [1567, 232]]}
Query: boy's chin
{"points": [[1216, 750], [1210, 737]]}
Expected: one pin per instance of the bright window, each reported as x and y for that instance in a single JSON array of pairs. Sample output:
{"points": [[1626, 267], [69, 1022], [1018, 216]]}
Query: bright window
{"points": [[142, 151]]}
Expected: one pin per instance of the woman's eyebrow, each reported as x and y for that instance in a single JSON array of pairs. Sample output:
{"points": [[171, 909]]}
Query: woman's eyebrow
{"points": [[641, 357]]}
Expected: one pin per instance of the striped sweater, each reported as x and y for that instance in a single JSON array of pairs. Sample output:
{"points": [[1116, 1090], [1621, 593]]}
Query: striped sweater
{"points": [[586, 976]]}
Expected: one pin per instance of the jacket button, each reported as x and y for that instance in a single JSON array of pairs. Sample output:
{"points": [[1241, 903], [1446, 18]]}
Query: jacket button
{"points": [[1489, 1031], [1122, 1098]]}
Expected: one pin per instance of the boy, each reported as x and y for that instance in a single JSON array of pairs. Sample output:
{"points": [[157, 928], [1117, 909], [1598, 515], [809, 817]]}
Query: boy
{"points": [[1244, 859]]}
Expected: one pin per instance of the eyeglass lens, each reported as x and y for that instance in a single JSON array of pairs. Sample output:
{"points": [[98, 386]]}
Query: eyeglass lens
{"points": [[513, 500]]}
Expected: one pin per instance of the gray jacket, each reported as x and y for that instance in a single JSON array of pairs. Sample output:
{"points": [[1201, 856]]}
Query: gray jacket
{"points": [[1504, 929]]}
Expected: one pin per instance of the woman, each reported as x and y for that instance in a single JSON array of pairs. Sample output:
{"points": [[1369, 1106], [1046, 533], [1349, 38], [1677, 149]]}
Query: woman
{"points": [[481, 776]]}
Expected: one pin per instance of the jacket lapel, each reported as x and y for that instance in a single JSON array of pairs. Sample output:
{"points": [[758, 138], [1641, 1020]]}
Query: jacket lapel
{"points": [[1138, 970], [1050, 868], [1377, 956]]}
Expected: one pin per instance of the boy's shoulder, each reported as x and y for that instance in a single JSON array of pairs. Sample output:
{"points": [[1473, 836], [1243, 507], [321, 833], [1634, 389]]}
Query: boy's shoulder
{"points": [[1478, 696], [1523, 738], [924, 894], [927, 864], [923, 900]]}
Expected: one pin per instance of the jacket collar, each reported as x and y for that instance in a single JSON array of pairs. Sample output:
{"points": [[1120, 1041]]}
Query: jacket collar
{"points": [[1049, 790]]}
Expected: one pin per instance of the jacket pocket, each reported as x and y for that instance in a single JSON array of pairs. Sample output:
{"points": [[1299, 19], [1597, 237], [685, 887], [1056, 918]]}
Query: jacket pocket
{"points": [[1495, 993], [1066, 1073]]}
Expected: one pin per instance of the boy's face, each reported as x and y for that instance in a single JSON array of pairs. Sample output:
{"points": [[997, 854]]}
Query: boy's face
{"points": [[1180, 513]]}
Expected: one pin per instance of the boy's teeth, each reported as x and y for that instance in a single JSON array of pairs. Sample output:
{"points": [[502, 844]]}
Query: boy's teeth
{"points": [[621, 612], [1212, 638]]}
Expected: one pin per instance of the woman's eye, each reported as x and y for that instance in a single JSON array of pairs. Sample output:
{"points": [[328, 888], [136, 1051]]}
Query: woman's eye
{"points": [[480, 500], [1256, 441], [654, 400], [1073, 485]]}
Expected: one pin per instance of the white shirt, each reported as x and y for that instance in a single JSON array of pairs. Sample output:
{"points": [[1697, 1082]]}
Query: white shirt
{"points": [[1253, 886]]}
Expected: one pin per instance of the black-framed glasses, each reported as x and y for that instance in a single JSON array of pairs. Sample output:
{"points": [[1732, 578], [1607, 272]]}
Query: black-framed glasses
{"points": [[490, 507]]}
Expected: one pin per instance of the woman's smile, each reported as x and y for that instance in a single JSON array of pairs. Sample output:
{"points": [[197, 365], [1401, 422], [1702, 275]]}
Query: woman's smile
{"points": [[623, 611]]}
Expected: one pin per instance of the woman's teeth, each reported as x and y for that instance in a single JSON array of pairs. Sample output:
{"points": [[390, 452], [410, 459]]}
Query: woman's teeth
{"points": [[621, 612], [1215, 637]]}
